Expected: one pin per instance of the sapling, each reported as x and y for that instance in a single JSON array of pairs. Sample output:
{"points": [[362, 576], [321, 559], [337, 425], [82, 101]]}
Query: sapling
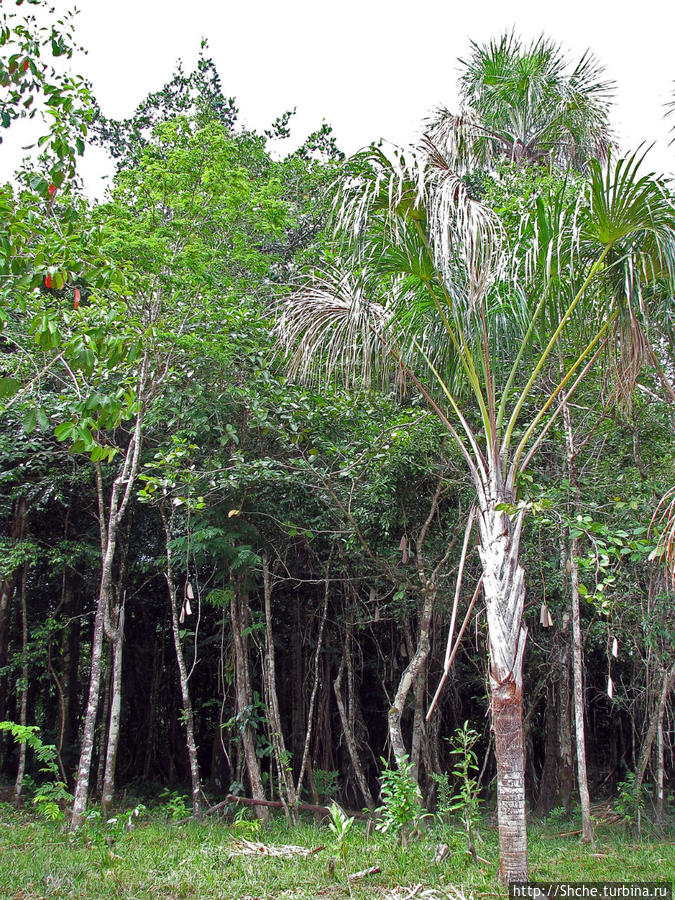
{"points": [[401, 810], [341, 825], [466, 799]]}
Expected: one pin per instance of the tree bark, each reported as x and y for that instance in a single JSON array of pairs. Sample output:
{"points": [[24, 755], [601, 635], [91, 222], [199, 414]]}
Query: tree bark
{"points": [[115, 712], [577, 650], [109, 521], [655, 723], [577, 668], [315, 684], [7, 590], [239, 616], [284, 771], [347, 730], [504, 589], [23, 717], [188, 715]]}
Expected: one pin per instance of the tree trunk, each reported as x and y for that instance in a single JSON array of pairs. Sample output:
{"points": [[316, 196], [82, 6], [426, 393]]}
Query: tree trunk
{"points": [[115, 713], [504, 589], [188, 715], [23, 717], [284, 771], [577, 668], [348, 732], [88, 732], [413, 670], [656, 721], [7, 589], [239, 615], [110, 517], [315, 687], [577, 651]]}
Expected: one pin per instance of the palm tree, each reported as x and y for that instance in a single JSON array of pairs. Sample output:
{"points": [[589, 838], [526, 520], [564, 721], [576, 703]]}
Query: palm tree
{"points": [[525, 104], [477, 320]]}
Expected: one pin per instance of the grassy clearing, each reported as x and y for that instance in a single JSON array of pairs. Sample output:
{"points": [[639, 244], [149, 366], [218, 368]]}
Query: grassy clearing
{"points": [[162, 861]]}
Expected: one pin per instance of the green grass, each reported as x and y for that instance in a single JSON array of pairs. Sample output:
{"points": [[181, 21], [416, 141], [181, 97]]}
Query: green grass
{"points": [[162, 861]]}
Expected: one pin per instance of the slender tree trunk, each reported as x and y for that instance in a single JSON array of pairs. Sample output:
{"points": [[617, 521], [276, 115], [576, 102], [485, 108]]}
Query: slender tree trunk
{"points": [[23, 716], [88, 733], [656, 721], [577, 650], [239, 615], [7, 590], [412, 671], [577, 668], [504, 589], [348, 732], [285, 773], [115, 713], [104, 716], [109, 521], [315, 685], [188, 715], [418, 730]]}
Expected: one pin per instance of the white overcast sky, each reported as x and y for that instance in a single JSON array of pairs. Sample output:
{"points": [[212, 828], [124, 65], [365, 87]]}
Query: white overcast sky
{"points": [[368, 67]]}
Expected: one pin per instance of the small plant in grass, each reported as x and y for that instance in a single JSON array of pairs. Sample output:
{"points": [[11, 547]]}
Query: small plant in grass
{"points": [[444, 797], [630, 802], [341, 825], [401, 810], [175, 805], [246, 828], [557, 817], [466, 801]]}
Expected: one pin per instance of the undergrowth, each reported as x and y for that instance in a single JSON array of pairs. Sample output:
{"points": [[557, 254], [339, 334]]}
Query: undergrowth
{"points": [[144, 857]]}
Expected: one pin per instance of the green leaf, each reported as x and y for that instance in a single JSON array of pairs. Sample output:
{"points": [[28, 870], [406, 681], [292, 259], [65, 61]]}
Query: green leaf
{"points": [[9, 386], [30, 421]]}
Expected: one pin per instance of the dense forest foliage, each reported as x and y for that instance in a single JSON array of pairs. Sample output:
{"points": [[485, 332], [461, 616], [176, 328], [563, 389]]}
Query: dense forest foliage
{"points": [[289, 439]]}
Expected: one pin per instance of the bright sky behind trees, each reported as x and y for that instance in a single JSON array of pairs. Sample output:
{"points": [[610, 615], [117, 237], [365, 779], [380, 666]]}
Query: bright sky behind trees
{"points": [[371, 68]]}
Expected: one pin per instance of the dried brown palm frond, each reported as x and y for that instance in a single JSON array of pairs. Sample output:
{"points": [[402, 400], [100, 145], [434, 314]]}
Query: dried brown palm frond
{"points": [[628, 350], [332, 328]]}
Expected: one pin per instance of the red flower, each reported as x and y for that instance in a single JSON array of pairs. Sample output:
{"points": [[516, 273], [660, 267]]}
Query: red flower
{"points": [[76, 299], [48, 281], [51, 190]]}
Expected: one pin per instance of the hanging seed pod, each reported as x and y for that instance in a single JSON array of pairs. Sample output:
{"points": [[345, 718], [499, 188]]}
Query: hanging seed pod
{"points": [[189, 593], [615, 648], [403, 547], [545, 619], [610, 688]]}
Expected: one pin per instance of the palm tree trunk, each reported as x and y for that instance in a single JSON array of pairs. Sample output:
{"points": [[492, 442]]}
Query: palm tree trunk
{"points": [[504, 588]]}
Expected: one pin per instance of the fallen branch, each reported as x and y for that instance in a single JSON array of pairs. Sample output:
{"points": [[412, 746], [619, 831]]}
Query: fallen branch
{"points": [[373, 870]]}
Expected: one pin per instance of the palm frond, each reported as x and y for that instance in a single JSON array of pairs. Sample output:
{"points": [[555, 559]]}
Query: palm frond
{"points": [[332, 329]]}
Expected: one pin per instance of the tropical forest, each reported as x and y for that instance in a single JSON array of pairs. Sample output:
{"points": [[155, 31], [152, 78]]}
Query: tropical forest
{"points": [[337, 492]]}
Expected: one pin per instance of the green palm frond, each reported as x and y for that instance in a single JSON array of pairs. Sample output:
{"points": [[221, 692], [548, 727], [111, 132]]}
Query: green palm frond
{"points": [[521, 103]]}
